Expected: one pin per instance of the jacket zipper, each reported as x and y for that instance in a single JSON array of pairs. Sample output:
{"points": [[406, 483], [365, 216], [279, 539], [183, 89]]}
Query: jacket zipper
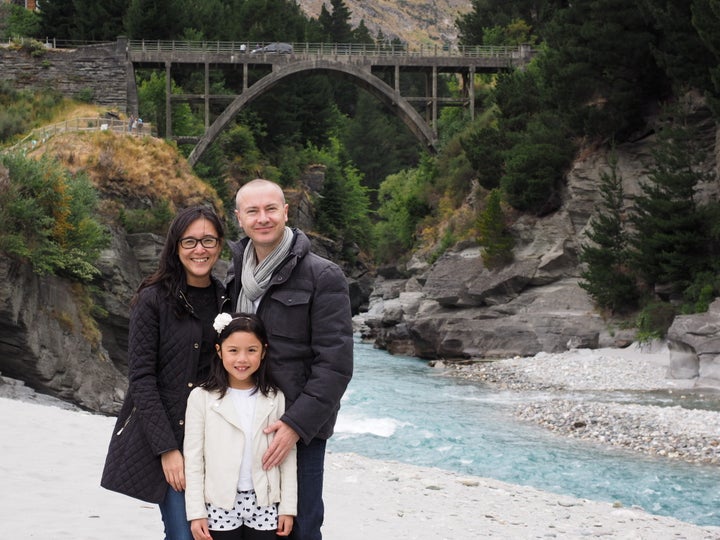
{"points": [[127, 421]]}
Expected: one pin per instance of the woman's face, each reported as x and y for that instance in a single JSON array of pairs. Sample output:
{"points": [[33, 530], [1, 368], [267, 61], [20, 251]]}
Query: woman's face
{"points": [[199, 260]]}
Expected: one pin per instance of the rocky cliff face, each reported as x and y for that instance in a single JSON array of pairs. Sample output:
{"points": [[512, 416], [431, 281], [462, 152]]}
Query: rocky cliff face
{"points": [[458, 308], [415, 22]]}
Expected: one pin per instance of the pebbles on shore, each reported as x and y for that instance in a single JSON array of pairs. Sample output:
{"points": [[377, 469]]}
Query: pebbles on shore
{"points": [[579, 377]]}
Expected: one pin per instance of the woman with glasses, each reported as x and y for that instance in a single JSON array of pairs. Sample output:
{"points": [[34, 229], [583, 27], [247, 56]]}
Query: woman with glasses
{"points": [[170, 346]]}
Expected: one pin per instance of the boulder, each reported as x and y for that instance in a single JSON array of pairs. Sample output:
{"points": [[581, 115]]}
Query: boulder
{"points": [[694, 343]]}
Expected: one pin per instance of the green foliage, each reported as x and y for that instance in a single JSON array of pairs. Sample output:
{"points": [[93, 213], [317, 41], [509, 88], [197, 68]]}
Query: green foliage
{"points": [[535, 167], [151, 94], [600, 82], [680, 39], [343, 207], [518, 97], [47, 218], [446, 242], [698, 296], [608, 277], [16, 21], [484, 149], [403, 205], [493, 233], [705, 19], [518, 32], [154, 220], [86, 95], [22, 110], [153, 19], [654, 320], [488, 18], [377, 142], [671, 239], [336, 22]]}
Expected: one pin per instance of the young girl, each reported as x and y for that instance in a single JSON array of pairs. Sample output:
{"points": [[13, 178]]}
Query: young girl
{"points": [[229, 495]]}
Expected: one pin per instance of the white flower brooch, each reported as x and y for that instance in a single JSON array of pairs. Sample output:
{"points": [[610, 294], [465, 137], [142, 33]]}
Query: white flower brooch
{"points": [[221, 321]]}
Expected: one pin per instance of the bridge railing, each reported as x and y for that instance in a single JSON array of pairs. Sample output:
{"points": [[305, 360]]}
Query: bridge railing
{"points": [[332, 49]]}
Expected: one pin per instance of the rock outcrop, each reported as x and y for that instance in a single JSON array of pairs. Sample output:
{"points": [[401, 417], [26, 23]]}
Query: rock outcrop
{"points": [[458, 308], [48, 340], [694, 343]]}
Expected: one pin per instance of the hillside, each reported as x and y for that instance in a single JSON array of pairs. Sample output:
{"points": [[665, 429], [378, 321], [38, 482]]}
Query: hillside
{"points": [[413, 21]]}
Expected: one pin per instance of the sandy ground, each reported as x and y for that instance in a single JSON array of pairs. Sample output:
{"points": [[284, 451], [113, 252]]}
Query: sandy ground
{"points": [[52, 458]]}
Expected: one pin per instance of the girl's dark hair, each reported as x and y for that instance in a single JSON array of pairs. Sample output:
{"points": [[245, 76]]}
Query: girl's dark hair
{"points": [[170, 274], [218, 378]]}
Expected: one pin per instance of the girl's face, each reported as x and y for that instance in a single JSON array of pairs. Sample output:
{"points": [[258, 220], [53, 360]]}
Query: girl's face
{"points": [[241, 354], [199, 259]]}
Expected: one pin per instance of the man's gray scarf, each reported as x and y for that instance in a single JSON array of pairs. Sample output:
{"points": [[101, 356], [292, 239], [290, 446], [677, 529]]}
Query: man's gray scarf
{"points": [[256, 277]]}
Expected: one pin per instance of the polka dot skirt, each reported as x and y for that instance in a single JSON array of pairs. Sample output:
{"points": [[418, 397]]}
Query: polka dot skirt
{"points": [[245, 512]]}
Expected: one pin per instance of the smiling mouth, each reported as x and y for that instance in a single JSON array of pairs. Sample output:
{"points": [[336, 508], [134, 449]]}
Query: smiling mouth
{"points": [[203, 260]]}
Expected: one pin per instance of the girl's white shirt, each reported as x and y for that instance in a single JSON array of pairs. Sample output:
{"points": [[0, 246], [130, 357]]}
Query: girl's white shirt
{"points": [[244, 401]]}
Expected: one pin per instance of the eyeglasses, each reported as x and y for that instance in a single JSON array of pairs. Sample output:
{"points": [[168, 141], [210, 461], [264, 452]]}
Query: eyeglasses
{"points": [[207, 242]]}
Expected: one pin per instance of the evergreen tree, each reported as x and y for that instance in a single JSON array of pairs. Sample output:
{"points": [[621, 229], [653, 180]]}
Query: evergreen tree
{"points": [[362, 35], [599, 69], [607, 277], [336, 24], [378, 142], [152, 19], [16, 21], [493, 233], [484, 149], [490, 15], [706, 19], [670, 242], [99, 21], [678, 40], [57, 19]]}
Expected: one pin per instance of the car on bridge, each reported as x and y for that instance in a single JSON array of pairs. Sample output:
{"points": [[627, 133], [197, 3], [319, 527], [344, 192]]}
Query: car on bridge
{"points": [[274, 48]]}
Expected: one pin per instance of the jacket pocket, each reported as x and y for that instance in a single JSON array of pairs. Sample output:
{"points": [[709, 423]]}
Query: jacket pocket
{"points": [[288, 316]]}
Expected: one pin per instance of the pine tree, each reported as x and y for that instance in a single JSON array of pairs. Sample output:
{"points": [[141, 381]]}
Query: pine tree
{"points": [[670, 242], [493, 233], [336, 24], [607, 277]]}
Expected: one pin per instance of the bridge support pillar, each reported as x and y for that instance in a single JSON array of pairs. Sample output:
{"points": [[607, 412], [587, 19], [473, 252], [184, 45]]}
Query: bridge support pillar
{"points": [[471, 91], [207, 96], [433, 124], [168, 107]]}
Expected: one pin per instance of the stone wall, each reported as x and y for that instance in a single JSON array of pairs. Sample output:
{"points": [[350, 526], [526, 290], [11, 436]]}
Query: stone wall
{"points": [[97, 72]]}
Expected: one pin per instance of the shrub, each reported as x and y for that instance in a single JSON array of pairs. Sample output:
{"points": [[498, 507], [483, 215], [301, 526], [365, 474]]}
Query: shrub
{"points": [[47, 218], [654, 320]]}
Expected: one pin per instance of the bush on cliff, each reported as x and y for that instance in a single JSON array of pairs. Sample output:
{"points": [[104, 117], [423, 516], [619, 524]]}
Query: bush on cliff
{"points": [[47, 218]]}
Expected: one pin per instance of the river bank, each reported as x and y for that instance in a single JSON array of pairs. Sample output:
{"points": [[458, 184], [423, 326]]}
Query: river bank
{"points": [[617, 397], [52, 456]]}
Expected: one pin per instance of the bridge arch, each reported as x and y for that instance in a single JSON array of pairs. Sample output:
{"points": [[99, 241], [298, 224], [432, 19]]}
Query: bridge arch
{"points": [[360, 75]]}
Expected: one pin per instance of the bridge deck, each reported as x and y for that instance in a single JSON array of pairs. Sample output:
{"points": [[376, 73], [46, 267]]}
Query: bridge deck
{"points": [[231, 52]]}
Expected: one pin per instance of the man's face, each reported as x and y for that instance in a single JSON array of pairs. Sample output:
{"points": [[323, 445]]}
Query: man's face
{"points": [[262, 214]]}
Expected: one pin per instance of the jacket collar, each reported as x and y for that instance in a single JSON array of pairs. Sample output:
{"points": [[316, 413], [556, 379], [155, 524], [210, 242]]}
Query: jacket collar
{"points": [[225, 407]]}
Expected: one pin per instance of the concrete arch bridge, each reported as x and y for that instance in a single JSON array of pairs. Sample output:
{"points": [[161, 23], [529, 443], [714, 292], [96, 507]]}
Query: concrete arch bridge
{"points": [[367, 66]]}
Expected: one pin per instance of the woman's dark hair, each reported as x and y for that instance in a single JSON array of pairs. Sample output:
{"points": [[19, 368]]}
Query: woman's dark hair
{"points": [[218, 378], [170, 274]]}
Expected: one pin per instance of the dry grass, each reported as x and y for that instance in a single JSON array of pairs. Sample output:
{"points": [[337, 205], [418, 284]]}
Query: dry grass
{"points": [[134, 172]]}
